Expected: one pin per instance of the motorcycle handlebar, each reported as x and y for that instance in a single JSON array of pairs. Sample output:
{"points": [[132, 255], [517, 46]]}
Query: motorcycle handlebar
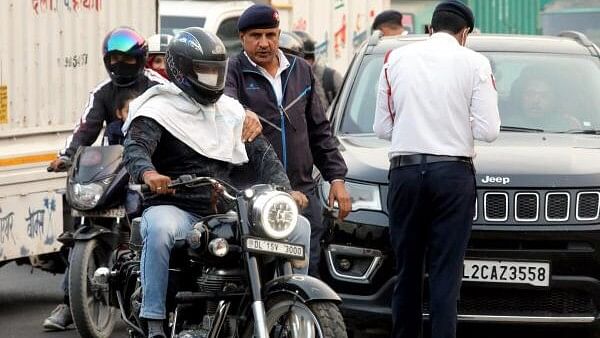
{"points": [[188, 181]]}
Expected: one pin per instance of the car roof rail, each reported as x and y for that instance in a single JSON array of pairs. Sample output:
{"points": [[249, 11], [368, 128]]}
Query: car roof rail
{"points": [[577, 36], [375, 37]]}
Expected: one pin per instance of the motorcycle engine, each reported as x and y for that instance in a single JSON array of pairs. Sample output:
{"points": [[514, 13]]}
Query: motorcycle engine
{"points": [[219, 280]]}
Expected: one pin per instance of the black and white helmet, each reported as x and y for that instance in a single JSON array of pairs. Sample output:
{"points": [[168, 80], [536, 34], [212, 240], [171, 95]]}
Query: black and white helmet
{"points": [[197, 64]]}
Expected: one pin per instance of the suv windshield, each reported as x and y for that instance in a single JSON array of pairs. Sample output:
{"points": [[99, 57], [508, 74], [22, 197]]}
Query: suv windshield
{"points": [[174, 24], [551, 92]]}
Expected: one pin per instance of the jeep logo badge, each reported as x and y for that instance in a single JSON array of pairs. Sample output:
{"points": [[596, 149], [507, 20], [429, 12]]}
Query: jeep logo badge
{"points": [[495, 179]]}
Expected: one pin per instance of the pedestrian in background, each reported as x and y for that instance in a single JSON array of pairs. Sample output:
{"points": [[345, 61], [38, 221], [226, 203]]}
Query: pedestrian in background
{"points": [[434, 98], [389, 23], [280, 89], [328, 80]]}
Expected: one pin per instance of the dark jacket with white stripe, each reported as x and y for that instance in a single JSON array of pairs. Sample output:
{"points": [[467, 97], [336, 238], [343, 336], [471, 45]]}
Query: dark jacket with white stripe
{"points": [[101, 109], [308, 132]]}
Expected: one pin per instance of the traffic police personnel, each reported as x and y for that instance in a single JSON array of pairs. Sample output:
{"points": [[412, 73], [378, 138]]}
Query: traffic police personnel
{"points": [[279, 89], [434, 98]]}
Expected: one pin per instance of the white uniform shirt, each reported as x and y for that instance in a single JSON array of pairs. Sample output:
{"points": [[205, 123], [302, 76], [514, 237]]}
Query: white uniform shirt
{"points": [[443, 96], [276, 80]]}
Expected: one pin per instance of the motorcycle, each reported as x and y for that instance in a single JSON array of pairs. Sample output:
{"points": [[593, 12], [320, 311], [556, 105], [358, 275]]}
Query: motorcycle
{"points": [[96, 189], [231, 276]]}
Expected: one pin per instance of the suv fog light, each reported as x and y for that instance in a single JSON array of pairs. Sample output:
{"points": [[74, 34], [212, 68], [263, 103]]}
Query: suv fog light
{"points": [[218, 247], [345, 264]]}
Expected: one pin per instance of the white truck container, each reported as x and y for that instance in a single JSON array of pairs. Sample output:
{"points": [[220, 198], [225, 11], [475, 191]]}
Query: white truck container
{"points": [[50, 58], [218, 17], [339, 27]]}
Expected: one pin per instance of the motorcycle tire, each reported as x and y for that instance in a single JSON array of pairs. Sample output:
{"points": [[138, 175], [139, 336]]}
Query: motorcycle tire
{"points": [[92, 314], [326, 317]]}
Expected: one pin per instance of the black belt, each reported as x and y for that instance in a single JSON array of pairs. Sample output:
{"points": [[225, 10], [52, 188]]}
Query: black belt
{"points": [[415, 159]]}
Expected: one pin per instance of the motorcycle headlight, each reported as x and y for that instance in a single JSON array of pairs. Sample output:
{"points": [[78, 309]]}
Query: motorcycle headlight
{"points": [[275, 214], [363, 196], [86, 195]]}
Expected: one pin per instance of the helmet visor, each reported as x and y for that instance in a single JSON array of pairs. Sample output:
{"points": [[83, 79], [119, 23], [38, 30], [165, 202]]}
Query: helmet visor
{"points": [[123, 41], [211, 74]]}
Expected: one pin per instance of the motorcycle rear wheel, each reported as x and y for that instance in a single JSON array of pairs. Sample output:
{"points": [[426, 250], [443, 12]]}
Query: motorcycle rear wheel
{"points": [[92, 314]]}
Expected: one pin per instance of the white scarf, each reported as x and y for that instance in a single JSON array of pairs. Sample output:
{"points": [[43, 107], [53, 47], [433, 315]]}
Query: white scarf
{"points": [[214, 131]]}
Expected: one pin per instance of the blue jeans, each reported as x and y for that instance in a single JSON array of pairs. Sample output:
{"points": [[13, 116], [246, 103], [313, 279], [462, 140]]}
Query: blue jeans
{"points": [[161, 226]]}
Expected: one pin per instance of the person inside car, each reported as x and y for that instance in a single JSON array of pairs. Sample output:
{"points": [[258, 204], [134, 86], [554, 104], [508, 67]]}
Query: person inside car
{"points": [[537, 104], [189, 127]]}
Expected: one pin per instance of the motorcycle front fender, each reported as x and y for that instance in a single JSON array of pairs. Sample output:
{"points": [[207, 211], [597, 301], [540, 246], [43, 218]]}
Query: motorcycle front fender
{"points": [[307, 288], [85, 233]]}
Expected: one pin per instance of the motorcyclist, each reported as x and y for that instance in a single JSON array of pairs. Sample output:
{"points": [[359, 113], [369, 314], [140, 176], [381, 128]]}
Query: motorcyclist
{"points": [[124, 55], [189, 127], [157, 47]]}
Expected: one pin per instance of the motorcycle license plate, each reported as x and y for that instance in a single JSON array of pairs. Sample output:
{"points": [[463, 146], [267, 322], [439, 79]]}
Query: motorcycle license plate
{"points": [[110, 213], [274, 248], [511, 272]]}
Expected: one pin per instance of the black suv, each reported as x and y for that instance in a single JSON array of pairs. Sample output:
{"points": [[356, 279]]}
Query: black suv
{"points": [[534, 254]]}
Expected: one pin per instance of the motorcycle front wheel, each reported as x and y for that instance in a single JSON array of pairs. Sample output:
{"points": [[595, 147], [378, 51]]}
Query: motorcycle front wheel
{"points": [[291, 318], [92, 313]]}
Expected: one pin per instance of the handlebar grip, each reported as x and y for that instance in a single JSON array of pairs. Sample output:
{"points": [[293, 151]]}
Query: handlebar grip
{"points": [[141, 188], [49, 169]]}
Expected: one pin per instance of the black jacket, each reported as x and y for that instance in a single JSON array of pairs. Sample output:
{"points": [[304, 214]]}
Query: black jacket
{"points": [[149, 146], [308, 132], [100, 109]]}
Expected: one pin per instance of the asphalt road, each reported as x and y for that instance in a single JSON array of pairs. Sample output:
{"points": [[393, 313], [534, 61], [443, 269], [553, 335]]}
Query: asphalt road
{"points": [[27, 297]]}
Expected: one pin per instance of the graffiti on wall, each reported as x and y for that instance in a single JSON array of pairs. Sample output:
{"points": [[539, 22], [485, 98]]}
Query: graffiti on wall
{"points": [[45, 6], [6, 228], [77, 60], [36, 221]]}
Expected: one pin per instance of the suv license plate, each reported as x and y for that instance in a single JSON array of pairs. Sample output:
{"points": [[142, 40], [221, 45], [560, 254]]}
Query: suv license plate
{"points": [[515, 272], [275, 248]]}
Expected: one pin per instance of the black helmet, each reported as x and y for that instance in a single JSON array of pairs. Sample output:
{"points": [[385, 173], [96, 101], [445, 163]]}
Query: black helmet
{"points": [[291, 43], [124, 41], [308, 44], [197, 64]]}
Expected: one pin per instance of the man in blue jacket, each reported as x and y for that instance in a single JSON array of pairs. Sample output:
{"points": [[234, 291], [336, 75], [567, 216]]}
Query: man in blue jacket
{"points": [[279, 88]]}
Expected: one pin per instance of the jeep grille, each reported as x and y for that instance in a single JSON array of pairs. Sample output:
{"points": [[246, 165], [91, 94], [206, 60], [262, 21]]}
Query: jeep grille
{"points": [[557, 206], [496, 206], [537, 207], [527, 207], [588, 206]]}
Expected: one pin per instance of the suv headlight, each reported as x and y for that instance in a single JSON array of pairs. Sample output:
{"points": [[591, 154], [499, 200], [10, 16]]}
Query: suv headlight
{"points": [[275, 214], [363, 196], [86, 195]]}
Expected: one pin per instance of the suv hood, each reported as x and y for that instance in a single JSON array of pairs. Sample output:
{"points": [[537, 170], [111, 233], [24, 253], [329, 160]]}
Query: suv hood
{"points": [[514, 159]]}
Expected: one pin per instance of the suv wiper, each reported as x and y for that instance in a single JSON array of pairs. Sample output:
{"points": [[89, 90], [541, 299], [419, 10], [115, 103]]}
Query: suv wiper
{"points": [[581, 131], [521, 129]]}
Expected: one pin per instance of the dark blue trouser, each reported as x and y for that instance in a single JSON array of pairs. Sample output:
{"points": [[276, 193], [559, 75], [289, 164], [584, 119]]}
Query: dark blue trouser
{"points": [[431, 208], [314, 214]]}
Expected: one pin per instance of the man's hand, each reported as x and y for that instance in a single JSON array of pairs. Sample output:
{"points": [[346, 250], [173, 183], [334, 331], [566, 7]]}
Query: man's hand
{"points": [[252, 127], [60, 164], [300, 199], [158, 184], [338, 193]]}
